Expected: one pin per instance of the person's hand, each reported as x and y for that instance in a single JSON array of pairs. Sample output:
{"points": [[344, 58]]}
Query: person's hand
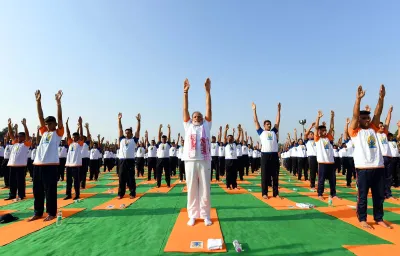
{"points": [[227, 127], [279, 106], [120, 116], [382, 91], [38, 127], [391, 109], [67, 120], [186, 85], [360, 92], [332, 113], [146, 134], [38, 95], [324, 123], [207, 85], [59, 95], [23, 122], [87, 125], [320, 114], [313, 124], [220, 128], [79, 121], [398, 123], [368, 108], [15, 126], [253, 106], [138, 117], [102, 139], [295, 130], [179, 135], [168, 126], [233, 130], [161, 126], [347, 120], [9, 121]]}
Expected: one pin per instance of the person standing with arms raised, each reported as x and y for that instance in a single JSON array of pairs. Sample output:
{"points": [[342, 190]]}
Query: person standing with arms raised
{"points": [[269, 152], [127, 145], [197, 157], [45, 173]]}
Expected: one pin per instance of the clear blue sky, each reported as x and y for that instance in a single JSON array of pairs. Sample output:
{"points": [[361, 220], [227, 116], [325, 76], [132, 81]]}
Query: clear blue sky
{"points": [[133, 56]]}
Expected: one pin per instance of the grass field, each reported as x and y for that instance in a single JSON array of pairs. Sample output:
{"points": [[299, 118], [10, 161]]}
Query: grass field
{"points": [[143, 228]]}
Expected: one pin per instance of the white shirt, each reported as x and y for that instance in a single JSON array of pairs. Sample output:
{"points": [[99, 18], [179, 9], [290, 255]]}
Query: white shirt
{"points": [[62, 151], [250, 152], [140, 152], [310, 145], [383, 144], [239, 150], [180, 151], [301, 151], [245, 150], [85, 150], [230, 151], [335, 153], [255, 153], [192, 130], [269, 141], [74, 155], [221, 151], [95, 154], [108, 154], [324, 149], [152, 151], [343, 152], [19, 154], [163, 150], [47, 150], [127, 148], [394, 150], [214, 149], [33, 153], [172, 152], [7, 151], [350, 148]]}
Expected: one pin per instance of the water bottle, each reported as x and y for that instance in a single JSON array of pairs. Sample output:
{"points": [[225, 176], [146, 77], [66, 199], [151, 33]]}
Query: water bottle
{"points": [[295, 189], [330, 203], [122, 206], [238, 247], [289, 179], [59, 218], [78, 200]]}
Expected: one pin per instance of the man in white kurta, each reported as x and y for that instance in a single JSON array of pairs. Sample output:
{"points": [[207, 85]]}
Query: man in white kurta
{"points": [[197, 157]]}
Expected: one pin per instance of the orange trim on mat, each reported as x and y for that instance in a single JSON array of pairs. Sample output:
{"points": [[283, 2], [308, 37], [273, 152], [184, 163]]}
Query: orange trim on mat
{"points": [[19, 229], [62, 203], [2, 212], [278, 203], [182, 235], [116, 203], [144, 182], [162, 189], [233, 191], [114, 183]]}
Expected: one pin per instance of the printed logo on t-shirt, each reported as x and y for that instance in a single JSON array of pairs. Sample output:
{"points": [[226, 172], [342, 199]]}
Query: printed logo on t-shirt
{"points": [[269, 136], [326, 144], [371, 141], [15, 148], [48, 138], [383, 140], [72, 148]]}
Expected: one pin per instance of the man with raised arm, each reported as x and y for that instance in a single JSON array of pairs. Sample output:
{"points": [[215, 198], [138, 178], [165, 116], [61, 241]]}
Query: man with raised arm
{"points": [[127, 145], [197, 157], [18, 161], [151, 157], [163, 147], [45, 173], [74, 160], [326, 162], [312, 154], [368, 159], [269, 152]]}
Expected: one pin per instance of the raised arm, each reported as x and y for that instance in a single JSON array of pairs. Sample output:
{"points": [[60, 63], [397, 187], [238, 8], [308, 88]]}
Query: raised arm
{"points": [[80, 128], [146, 139], [225, 134], [25, 129], [137, 133], [332, 124], [239, 134], [169, 133], [186, 115], [242, 135], [308, 131], [278, 117], [207, 86], [159, 133], [255, 118], [346, 129], [38, 96], [88, 135], [318, 118], [251, 141], [68, 132], [398, 131], [220, 134], [356, 108], [120, 131], [388, 118], [59, 95], [177, 141], [295, 135], [379, 106], [10, 130]]}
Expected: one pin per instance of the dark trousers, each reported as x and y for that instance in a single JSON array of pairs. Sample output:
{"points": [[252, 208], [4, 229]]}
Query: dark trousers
{"points": [[108, 164], [17, 182], [221, 166], [215, 166], [152, 164], [269, 163], [294, 165], [127, 176], [1, 167], [45, 180], [289, 164], [6, 173], [251, 166], [30, 167], [231, 173], [73, 177], [302, 167], [246, 164], [388, 176], [326, 171], [345, 165], [173, 163], [240, 168], [140, 166], [163, 164], [312, 162], [83, 171], [182, 174], [117, 164], [351, 170], [395, 170], [374, 179], [337, 164], [94, 169], [61, 168]]}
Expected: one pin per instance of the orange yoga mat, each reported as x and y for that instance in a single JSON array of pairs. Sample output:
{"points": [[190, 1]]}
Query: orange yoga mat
{"points": [[182, 235], [114, 183], [216, 182], [8, 202], [281, 189], [392, 201], [62, 191], [62, 203], [250, 177], [278, 203], [336, 202], [16, 230], [163, 189], [145, 182], [373, 250], [184, 190], [233, 191], [243, 182], [2, 212], [115, 203]]}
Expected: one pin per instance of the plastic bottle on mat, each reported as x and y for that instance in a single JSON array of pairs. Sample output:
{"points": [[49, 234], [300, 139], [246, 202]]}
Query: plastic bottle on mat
{"points": [[238, 247], [330, 202], [59, 218]]}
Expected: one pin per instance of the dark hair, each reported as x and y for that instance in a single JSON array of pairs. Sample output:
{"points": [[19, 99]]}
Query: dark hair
{"points": [[230, 135], [364, 112], [390, 134], [213, 137], [128, 129], [381, 123], [321, 127], [267, 121], [164, 136], [50, 119], [75, 134], [21, 134]]}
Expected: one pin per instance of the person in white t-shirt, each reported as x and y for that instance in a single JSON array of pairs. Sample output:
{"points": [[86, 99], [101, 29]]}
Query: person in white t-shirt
{"points": [[18, 161], [173, 159], [269, 152], [74, 160], [368, 159], [197, 157], [163, 147], [230, 146], [221, 154], [62, 155], [85, 157], [214, 158], [108, 157], [94, 156], [181, 163], [395, 168], [139, 161], [151, 157], [311, 153], [127, 145], [45, 173], [326, 162], [7, 153]]}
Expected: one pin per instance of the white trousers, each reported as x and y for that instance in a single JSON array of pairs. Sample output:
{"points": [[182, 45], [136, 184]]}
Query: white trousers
{"points": [[198, 174]]}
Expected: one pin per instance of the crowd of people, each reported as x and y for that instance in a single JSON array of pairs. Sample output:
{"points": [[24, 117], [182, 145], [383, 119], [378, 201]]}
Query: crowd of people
{"points": [[366, 151]]}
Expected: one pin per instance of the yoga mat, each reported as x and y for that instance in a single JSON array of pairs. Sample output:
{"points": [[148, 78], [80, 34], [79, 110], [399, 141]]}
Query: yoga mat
{"points": [[233, 191], [116, 203], [279, 203], [182, 235]]}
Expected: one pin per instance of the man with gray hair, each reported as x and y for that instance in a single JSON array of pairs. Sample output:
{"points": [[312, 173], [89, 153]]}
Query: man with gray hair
{"points": [[197, 157]]}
